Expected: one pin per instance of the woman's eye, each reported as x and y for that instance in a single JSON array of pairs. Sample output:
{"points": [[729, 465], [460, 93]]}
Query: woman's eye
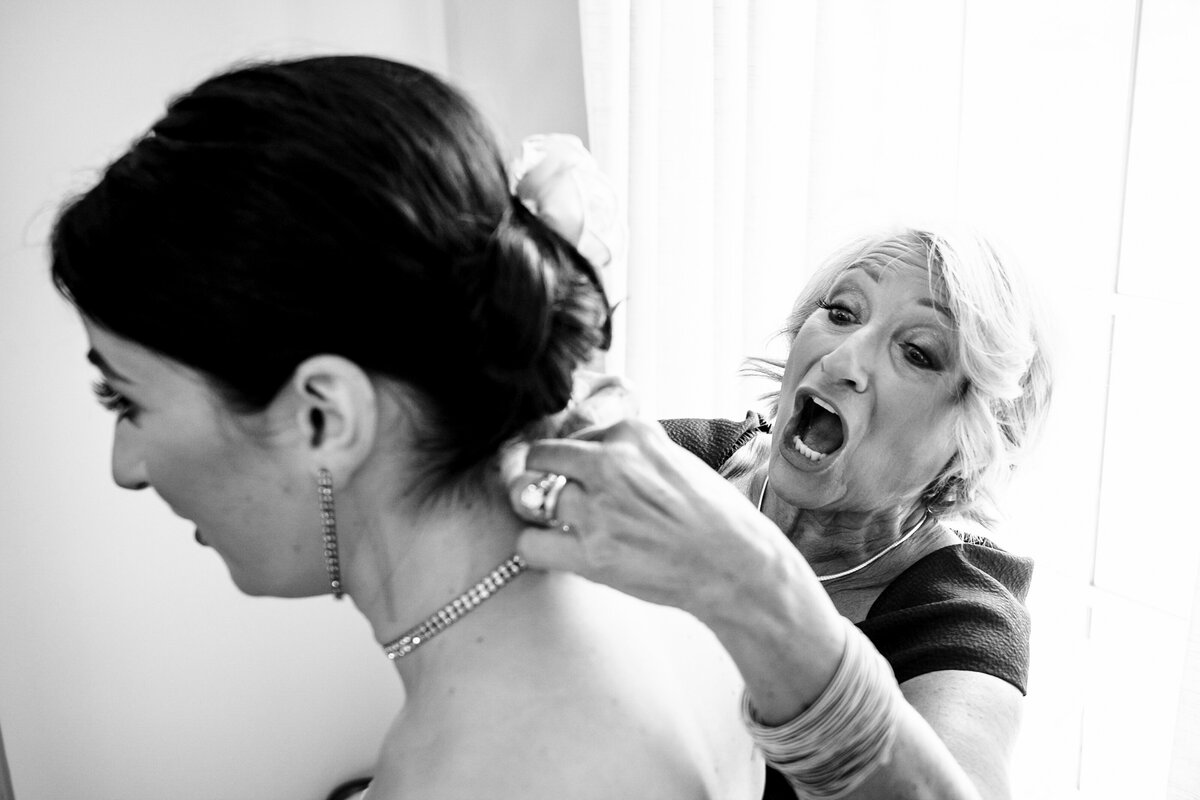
{"points": [[838, 315], [918, 356], [112, 400]]}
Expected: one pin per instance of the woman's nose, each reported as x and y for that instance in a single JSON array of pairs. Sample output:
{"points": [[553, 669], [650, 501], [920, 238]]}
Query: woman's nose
{"points": [[849, 361], [128, 466]]}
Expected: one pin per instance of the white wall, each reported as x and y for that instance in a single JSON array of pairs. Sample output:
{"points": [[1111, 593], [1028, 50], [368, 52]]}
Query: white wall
{"points": [[129, 666], [520, 61]]}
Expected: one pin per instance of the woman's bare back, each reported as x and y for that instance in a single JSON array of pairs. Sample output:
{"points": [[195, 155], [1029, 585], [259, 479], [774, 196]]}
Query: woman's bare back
{"points": [[570, 689]]}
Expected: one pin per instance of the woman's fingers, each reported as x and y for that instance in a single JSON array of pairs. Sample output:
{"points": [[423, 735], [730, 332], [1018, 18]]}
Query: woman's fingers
{"points": [[599, 448], [578, 459], [599, 401], [637, 513], [542, 497], [630, 472]]}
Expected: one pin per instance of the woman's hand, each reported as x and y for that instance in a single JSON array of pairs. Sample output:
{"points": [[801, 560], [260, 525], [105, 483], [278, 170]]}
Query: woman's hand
{"points": [[646, 517], [598, 400]]}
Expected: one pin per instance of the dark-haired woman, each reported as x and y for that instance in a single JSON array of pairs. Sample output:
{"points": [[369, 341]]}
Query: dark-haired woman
{"points": [[321, 320]]}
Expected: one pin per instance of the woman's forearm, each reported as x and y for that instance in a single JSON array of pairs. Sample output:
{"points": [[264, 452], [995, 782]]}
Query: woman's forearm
{"points": [[781, 629], [788, 640]]}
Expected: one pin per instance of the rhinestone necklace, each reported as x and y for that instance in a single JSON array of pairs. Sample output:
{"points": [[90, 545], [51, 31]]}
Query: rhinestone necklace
{"points": [[826, 578], [455, 610]]}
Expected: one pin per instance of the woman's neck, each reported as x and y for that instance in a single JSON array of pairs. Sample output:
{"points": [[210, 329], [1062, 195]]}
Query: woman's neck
{"points": [[836, 540], [406, 559]]}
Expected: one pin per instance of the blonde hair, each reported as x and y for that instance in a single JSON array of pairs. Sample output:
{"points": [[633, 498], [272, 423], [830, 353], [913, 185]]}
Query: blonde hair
{"points": [[1007, 379]]}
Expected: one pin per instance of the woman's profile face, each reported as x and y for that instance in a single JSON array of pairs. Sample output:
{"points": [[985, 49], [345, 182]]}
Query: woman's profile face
{"points": [[868, 401], [174, 434]]}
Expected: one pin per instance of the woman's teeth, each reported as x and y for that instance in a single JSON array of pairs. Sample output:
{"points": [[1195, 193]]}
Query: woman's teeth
{"points": [[824, 405], [806, 451], [818, 429]]}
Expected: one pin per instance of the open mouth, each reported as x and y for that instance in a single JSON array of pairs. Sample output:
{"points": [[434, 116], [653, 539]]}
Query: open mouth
{"points": [[818, 431]]}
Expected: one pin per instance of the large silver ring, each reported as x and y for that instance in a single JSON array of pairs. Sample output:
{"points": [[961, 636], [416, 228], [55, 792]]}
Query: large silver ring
{"points": [[540, 499]]}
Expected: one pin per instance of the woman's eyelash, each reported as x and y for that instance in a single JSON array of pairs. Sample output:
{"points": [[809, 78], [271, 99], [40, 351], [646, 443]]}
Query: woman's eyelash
{"points": [[918, 356], [921, 358], [838, 314], [111, 399]]}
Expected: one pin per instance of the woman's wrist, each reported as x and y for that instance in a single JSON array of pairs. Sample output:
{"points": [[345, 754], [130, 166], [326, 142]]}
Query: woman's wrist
{"points": [[848, 733], [778, 625]]}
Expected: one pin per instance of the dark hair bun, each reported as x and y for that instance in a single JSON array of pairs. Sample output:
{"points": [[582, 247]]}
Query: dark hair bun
{"points": [[537, 310], [347, 205]]}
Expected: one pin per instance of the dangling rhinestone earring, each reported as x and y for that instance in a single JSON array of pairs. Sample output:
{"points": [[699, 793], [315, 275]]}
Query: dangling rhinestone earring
{"points": [[329, 531]]}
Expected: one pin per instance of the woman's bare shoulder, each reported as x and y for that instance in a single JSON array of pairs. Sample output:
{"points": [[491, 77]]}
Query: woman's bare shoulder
{"points": [[607, 697]]}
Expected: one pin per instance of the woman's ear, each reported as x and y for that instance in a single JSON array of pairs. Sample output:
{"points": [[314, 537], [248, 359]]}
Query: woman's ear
{"points": [[336, 410]]}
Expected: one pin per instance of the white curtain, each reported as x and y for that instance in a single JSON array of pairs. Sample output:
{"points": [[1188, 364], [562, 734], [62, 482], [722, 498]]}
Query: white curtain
{"points": [[1185, 756], [700, 112]]}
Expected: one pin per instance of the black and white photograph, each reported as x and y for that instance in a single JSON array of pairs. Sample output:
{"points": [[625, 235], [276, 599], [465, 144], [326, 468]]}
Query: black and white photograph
{"points": [[596, 399]]}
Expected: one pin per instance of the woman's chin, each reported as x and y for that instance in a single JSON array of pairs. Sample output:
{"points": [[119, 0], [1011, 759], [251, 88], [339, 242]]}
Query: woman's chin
{"points": [[803, 483], [259, 586], [252, 585], [247, 587]]}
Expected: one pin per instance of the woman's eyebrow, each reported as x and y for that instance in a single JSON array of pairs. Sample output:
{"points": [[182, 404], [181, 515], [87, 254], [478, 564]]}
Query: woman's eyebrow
{"points": [[871, 270], [98, 361], [940, 308]]}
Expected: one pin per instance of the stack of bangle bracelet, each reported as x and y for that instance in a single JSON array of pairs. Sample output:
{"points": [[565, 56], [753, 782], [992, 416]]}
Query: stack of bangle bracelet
{"points": [[839, 741]]}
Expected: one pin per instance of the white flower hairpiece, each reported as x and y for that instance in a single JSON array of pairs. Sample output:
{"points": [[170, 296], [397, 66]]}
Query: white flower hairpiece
{"points": [[559, 181]]}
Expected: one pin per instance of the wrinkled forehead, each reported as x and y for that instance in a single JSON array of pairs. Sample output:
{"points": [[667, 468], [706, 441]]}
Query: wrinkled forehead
{"points": [[892, 254], [902, 255]]}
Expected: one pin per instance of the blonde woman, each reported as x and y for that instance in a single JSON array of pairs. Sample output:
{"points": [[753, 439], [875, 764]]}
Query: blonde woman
{"points": [[885, 654]]}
